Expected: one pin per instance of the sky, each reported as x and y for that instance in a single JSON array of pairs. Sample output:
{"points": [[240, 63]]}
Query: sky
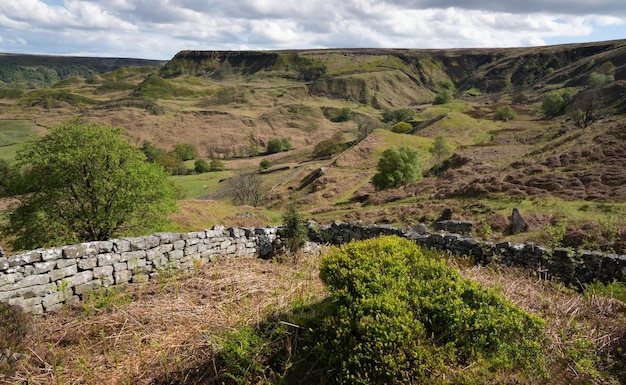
{"points": [[158, 29]]}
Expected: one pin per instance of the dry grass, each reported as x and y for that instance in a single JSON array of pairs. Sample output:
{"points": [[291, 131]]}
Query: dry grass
{"points": [[170, 327], [167, 330], [586, 334]]}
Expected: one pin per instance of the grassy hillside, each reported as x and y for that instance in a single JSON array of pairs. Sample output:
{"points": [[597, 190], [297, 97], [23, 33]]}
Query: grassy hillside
{"points": [[337, 110], [231, 105]]}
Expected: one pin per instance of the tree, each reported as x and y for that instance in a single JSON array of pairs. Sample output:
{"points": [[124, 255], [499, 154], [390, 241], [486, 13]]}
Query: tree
{"points": [[151, 151], [274, 146], [440, 150], [328, 147], [443, 97], [553, 104], [201, 166], [246, 189], [185, 151], [293, 231], [265, 164], [396, 167], [85, 182], [287, 145], [504, 113], [216, 165]]}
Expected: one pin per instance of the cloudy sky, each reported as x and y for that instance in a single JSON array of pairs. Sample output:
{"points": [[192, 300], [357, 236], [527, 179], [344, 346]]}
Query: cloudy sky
{"points": [[158, 29]]}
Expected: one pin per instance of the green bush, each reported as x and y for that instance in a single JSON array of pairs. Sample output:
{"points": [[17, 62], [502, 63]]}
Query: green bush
{"points": [[396, 316], [216, 165], [274, 146], [201, 166], [504, 113], [443, 97], [293, 231], [553, 104], [397, 166], [265, 164], [401, 127], [15, 325]]}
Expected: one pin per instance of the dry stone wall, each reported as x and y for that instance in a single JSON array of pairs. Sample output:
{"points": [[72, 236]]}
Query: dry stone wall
{"points": [[44, 280]]}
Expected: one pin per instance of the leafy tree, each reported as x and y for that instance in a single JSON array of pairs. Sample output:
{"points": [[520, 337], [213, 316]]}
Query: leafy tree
{"points": [[185, 151], [344, 115], [328, 147], [443, 97], [597, 79], [440, 150], [274, 146], [400, 115], [504, 113], [286, 142], [265, 164], [396, 167], [216, 165], [553, 104], [201, 166], [85, 182], [172, 164]]}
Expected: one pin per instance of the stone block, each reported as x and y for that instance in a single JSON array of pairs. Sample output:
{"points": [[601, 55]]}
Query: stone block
{"points": [[50, 254], [140, 278], [121, 246], [87, 286], [33, 280], [67, 271], [103, 271], [74, 251], [120, 266], [44, 267], [62, 263], [122, 276], [87, 263], [80, 278], [108, 259]]}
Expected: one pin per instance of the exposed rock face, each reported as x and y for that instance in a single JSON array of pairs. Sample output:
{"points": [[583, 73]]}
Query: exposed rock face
{"points": [[518, 224]]}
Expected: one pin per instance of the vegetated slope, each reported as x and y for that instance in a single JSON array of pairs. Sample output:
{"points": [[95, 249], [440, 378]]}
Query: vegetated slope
{"points": [[226, 102], [36, 71]]}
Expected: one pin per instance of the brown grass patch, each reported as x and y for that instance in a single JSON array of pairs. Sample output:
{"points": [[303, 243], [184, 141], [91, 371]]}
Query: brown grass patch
{"points": [[170, 328]]}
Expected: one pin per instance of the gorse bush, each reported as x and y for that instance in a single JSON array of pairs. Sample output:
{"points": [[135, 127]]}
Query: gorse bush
{"points": [[396, 316]]}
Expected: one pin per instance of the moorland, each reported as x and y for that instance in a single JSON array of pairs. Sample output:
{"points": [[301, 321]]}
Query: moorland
{"points": [[540, 129]]}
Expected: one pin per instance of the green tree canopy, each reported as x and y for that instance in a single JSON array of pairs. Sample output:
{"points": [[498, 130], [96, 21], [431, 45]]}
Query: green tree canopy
{"points": [[185, 151], [397, 166], [85, 182], [553, 104], [274, 146], [201, 166]]}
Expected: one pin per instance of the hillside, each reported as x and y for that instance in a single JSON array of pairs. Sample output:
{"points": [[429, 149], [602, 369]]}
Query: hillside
{"points": [[227, 103]]}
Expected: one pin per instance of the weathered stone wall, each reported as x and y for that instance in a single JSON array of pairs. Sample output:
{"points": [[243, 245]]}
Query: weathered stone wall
{"points": [[43, 280], [572, 267]]}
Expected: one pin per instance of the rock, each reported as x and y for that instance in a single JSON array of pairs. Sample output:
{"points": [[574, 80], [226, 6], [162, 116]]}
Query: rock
{"points": [[455, 226], [446, 215], [518, 224]]}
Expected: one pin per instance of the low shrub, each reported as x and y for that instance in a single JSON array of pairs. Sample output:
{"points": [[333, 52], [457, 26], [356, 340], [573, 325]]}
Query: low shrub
{"points": [[15, 325]]}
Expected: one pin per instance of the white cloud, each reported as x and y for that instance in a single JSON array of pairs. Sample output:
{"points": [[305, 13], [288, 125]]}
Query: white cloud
{"points": [[160, 28]]}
